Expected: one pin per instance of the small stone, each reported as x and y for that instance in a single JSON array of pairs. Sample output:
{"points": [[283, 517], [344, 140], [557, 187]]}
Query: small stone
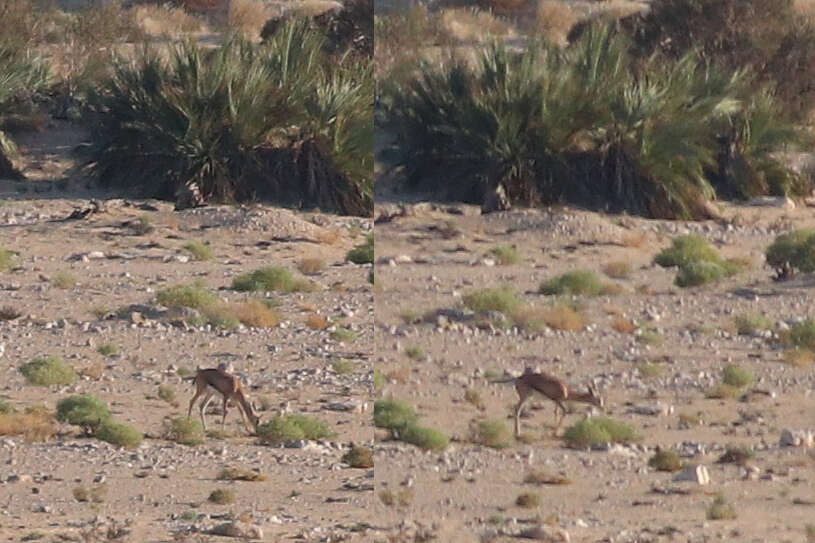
{"points": [[697, 474], [796, 438], [238, 529]]}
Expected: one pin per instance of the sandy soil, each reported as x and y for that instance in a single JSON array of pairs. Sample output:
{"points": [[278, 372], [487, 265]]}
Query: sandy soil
{"points": [[432, 256], [159, 491]]}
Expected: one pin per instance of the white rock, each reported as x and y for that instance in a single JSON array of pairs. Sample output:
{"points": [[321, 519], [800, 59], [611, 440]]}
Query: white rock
{"points": [[796, 438], [697, 474]]}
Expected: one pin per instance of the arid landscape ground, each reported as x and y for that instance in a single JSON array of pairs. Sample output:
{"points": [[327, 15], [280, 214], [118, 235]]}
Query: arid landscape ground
{"points": [[66, 282], [656, 374]]}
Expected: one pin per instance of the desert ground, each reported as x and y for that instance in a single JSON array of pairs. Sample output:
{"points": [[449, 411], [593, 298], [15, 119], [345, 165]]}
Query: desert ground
{"points": [[64, 296], [654, 374]]}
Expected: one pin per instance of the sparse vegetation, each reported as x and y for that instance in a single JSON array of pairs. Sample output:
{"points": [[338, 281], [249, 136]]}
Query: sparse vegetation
{"points": [[598, 430], [505, 255], [343, 335], [315, 321], [282, 429], [414, 352], [723, 391], [736, 376], [400, 418], [240, 474], [359, 456], [343, 367], [122, 435], [542, 477], [474, 397], [271, 279], [48, 371], [721, 510], [424, 437], [665, 460], [199, 251], [748, 324], [649, 370], [311, 266], [617, 269], [492, 433], [580, 282], [364, 253], [6, 256], [108, 349], [739, 455], [195, 296], [9, 313], [64, 280], [528, 500], [85, 411], [167, 393], [501, 299], [802, 335], [222, 496], [33, 424], [800, 358], [184, 431], [402, 498], [699, 262]]}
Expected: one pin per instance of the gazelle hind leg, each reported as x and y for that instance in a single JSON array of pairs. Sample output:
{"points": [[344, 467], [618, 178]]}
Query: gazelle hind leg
{"points": [[195, 396], [518, 409], [203, 408]]}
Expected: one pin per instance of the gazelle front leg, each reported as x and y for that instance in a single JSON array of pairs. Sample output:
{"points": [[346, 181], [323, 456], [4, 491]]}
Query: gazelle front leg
{"points": [[559, 409], [203, 408], [518, 410]]}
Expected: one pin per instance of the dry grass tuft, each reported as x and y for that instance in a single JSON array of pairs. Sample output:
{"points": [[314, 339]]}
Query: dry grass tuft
{"points": [[623, 325], [800, 358], [240, 474], [255, 313], [249, 16], [166, 21], [315, 321], [93, 372], [472, 24], [33, 425], [634, 239], [555, 19], [563, 317], [311, 266], [542, 477], [617, 269]]}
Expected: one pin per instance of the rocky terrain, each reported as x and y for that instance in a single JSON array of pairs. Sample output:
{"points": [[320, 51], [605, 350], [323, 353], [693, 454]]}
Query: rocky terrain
{"points": [[85, 290], [654, 351]]}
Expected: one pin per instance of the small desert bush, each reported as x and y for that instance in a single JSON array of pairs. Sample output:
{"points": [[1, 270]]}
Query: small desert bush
{"points": [[48, 371], [736, 376], [32, 425], [9, 313], [403, 497], [618, 269], [623, 325], [722, 391], [739, 455], [394, 414], [649, 337], [364, 253], [311, 266], [198, 250], [85, 411], [687, 249], [286, 428], [240, 474], [5, 407], [119, 434], [254, 313], [343, 335], [696, 274], [579, 282], [474, 397], [492, 433], [64, 280], [802, 335], [96, 494], [689, 420], [598, 430], [423, 437], [343, 367], [721, 510], [793, 251], [502, 299], [165, 21], [222, 496], [359, 457], [555, 19], [315, 321], [108, 349], [528, 500], [6, 259], [800, 358], [505, 255], [271, 278], [195, 296], [749, 323], [564, 317], [249, 16], [649, 370], [414, 352], [183, 430], [545, 478], [167, 393], [665, 460]]}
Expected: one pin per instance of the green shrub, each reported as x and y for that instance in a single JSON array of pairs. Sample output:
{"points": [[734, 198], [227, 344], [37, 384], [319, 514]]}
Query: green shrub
{"points": [[687, 249], [285, 428], [492, 433], [414, 352], [195, 296], [502, 299], [276, 120], [108, 349], [122, 435], [737, 377], [802, 335], [86, 411], [378, 380], [394, 414], [665, 460], [343, 367], [48, 371], [6, 256], [598, 430], [183, 430], [721, 510], [505, 255], [359, 457], [343, 335], [222, 496], [424, 438], [199, 251], [749, 323], [64, 280], [271, 278], [792, 251], [580, 282], [5, 407], [364, 253], [700, 273], [167, 393], [722, 391]]}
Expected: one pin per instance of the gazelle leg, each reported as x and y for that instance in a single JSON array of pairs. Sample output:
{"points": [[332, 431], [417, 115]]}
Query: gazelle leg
{"points": [[518, 410], [559, 405], [223, 419], [192, 402], [203, 407]]}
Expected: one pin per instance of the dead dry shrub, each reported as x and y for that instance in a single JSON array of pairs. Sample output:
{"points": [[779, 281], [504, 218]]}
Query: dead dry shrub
{"points": [[470, 24], [249, 16], [94, 371], [555, 19], [166, 21], [315, 321], [255, 313], [311, 266], [617, 269], [634, 239], [33, 425], [623, 325], [563, 317]]}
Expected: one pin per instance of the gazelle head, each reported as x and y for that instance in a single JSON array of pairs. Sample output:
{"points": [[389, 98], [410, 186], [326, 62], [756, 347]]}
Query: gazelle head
{"points": [[594, 398]]}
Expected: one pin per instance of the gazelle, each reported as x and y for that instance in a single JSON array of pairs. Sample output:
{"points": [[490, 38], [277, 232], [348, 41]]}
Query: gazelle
{"points": [[210, 381], [530, 383]]}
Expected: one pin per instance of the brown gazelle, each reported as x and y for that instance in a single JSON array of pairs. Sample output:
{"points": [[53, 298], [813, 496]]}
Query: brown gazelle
{"points": [[530, 383], [210, 381]]}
